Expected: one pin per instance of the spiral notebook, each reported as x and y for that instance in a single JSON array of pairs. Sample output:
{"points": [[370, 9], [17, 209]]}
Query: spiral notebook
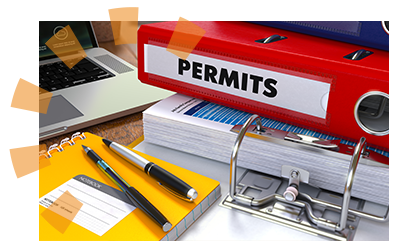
{"points": [[68, 163]]}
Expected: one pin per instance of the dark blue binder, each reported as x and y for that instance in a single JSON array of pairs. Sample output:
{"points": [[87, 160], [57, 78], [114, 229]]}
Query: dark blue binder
{"points": [[374, 34]]}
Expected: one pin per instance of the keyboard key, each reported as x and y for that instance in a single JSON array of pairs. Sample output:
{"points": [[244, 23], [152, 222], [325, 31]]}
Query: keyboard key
{"points": [[66, 79], [55, 87], [57, 75], [79, 81], [87, 74]]}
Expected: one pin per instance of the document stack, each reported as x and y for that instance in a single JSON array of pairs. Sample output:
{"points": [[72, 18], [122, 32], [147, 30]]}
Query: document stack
{"points": [[203, 128]]}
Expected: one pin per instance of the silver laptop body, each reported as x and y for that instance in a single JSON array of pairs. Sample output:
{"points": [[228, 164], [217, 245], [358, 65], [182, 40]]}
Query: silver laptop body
{"points": [[76, 107]]}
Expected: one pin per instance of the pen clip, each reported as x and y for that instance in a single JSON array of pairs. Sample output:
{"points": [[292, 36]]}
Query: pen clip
{"points": [[175, 193]]}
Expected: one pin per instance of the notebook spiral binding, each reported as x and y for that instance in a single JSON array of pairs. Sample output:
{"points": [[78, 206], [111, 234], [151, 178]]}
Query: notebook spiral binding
{"points": [[60, 147]]}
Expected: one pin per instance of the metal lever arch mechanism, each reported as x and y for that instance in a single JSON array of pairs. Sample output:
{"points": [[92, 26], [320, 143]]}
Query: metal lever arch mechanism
{"points": [[294, 208], [293, 189]]}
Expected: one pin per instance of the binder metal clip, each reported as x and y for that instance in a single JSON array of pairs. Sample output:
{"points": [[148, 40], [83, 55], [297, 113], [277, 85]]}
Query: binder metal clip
{"points": [[290, 201], [271, 39], [358, 55]]}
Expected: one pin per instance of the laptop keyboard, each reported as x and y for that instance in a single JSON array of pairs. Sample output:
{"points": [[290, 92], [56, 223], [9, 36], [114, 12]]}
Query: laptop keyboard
{"points": [[55, 76]]}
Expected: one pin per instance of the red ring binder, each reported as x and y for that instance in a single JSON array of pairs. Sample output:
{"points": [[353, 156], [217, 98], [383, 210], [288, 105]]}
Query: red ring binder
{"points": [[316, 87]]}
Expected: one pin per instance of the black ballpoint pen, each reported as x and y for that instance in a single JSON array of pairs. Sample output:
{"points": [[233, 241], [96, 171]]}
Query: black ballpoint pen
{"points": [[137, 199], [167, 180]]}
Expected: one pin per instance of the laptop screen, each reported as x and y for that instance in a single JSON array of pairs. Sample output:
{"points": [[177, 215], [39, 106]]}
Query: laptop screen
{"points": [[82, 30]]}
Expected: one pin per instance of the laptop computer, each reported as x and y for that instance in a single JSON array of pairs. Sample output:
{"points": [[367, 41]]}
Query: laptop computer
{"points": [[99, 88]]}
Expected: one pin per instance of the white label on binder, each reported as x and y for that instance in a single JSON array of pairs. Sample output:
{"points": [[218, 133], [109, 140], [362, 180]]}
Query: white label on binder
{"points": [[286, 91]]}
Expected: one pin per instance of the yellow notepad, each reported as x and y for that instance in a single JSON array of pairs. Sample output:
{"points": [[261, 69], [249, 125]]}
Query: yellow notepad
{"points": [[73, 161]]}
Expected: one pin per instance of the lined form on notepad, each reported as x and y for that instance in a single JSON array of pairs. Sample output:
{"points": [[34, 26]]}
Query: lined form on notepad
{"points": [[100, 211]]}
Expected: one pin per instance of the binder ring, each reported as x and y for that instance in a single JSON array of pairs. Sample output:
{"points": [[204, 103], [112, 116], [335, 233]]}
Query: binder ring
{"points": [[379, 115], [344, 209], [358, 151], [235, 151]]}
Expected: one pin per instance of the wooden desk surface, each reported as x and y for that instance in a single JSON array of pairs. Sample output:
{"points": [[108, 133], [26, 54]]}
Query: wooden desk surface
{"points": [[122, 130]]}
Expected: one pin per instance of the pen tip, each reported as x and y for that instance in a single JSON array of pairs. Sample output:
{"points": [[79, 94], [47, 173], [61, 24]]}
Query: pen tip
{"points": [[84, 147], [107, 142]]}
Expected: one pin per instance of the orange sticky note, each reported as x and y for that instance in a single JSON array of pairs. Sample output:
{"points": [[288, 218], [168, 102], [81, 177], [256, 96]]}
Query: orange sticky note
{"points": [[30, 97], [185, 38], [66, 46], [124, 24], [63, 210]]}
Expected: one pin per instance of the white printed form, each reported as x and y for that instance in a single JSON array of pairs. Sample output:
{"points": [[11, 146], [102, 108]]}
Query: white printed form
{"points": [[103, 206]]}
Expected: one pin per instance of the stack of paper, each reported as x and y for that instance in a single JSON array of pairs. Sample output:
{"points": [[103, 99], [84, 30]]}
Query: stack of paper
{"points": [[202, 128]]}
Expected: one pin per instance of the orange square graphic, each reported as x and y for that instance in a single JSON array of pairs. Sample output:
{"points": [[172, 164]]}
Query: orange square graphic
{"points": [[30, 97], [26, 96], [124, 24], [63, 210], [25, 160], [42, 149], [185, 38], [66, 46], [44, 100], [43, 161]]}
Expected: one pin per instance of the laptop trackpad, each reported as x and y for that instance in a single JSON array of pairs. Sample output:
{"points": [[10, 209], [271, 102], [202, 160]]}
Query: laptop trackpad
{"points": [[59, 110]]}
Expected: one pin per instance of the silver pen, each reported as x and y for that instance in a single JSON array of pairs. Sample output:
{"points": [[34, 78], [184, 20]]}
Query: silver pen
{"points": [[167, 180], [135, 197]]}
